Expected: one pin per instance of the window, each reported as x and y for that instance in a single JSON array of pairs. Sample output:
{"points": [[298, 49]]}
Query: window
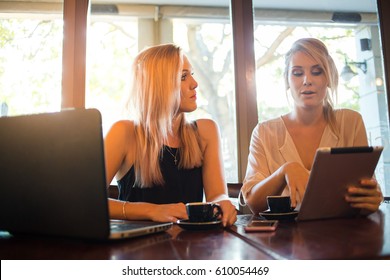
{"points": [[111, 47], [30, 63], [208, 46], [31, 41]]}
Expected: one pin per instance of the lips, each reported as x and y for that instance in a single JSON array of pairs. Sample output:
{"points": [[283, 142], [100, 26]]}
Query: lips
{"points": [[307, 92]]}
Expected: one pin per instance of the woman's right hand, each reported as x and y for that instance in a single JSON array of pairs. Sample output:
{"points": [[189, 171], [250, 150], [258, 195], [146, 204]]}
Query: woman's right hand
{"points": [[296, 177], [168, 212]]}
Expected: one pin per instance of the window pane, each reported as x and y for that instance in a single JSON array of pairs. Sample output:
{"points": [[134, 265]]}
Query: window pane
{"points": [[30, 64], [111, 47], [209, 48]]}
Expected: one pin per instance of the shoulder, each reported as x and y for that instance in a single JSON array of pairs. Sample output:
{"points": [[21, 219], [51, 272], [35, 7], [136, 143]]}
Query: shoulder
{"points": [[347, 115], [347, 112], [123, 126], [275, 122], [122, 130], [206, 125], [352, 131], [270, 133], [273, 126], [208, 130]]}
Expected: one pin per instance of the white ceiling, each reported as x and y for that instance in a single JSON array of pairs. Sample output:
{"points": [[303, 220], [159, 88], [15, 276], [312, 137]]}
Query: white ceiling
{"points": [[322, 5]]}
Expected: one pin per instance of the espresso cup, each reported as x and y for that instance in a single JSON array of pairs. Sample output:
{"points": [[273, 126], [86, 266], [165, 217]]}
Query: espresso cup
{"points": [[200, 212], [279, 204]]}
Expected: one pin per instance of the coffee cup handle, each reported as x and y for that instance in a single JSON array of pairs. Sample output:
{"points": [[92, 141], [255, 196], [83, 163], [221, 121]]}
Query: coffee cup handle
{"points": [[219, 210]]}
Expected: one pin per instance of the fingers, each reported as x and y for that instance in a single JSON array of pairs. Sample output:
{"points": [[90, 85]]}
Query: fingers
{"points": [[229, 213], [179, 212], [369, 183], [293, 197], [367, 187], [296, 194], [230, 219], [170, 213], [372, 199], [366, 196], [366, 206], [296, 177]]}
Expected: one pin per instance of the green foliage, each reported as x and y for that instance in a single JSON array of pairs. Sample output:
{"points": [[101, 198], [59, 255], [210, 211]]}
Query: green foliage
{"points": [[30, 65]]}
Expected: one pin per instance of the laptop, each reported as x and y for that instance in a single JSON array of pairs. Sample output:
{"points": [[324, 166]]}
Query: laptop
{"points": [[53, 179], [334, 169]]}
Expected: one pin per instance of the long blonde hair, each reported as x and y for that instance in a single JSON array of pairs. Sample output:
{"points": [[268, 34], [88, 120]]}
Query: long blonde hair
{"points": [[154, 102], [318, 51]]}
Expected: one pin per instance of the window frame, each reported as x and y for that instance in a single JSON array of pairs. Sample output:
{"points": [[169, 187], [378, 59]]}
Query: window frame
{"points": [[74, 68]]}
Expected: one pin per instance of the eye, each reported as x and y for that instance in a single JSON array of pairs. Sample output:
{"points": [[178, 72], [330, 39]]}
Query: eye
{"points": [[185, 75], [317, 71], [297, 73]]}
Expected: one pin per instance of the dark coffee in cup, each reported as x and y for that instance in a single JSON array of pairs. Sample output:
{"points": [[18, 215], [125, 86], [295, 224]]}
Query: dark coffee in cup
{"points": [[279, 204], [200, 212]]}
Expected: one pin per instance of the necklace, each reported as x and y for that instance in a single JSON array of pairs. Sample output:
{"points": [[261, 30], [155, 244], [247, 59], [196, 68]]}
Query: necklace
{"points": [[173, 155]]}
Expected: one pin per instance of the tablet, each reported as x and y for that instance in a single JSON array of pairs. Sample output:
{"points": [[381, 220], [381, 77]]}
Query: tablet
{"points": [[333, 170]]}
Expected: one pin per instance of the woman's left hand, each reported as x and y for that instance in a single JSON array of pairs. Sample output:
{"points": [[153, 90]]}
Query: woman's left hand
{"points": [[366, 196], [229, 212]]}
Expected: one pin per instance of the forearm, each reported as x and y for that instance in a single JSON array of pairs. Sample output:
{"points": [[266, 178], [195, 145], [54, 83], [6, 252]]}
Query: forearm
{"points": [[124, 210], [256, 198], [222, 196]]}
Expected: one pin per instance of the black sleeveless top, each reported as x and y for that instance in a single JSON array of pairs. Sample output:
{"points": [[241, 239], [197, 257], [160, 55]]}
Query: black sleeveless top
{"points": [[181, 185]]}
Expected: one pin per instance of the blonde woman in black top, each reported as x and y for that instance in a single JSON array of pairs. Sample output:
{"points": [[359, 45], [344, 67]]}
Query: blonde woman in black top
{"points": [[159, 159]]}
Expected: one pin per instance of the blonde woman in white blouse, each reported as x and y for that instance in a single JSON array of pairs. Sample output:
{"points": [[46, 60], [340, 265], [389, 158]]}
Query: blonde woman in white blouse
{"points": [[282, 150]]}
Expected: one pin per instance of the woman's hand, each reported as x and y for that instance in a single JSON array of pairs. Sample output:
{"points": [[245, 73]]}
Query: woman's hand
{"points": [[366, 196], [175, 212], [296, 177], [229, 212], [168, 212]]}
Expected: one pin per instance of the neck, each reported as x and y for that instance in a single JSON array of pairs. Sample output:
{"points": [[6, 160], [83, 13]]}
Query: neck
{"points": [[307, 116], [173, 139]]}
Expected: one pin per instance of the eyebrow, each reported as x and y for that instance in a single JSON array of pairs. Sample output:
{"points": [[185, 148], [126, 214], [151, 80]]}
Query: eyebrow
{"points": [[299, 66]]}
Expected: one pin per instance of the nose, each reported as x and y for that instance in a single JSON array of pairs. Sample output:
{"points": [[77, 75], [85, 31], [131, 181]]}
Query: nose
{"points": [[194, 83], [307, 80]]}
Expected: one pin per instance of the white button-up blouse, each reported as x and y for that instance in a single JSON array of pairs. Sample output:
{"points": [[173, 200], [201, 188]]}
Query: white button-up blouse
{"points": [[271, 145]]}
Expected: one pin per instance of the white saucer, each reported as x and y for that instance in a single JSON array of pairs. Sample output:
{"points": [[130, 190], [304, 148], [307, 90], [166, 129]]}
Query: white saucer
{"points": [[278, 216], [186, 224]]}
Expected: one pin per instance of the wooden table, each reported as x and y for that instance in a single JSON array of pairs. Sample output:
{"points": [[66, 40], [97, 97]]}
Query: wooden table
{"points": [[358, 238]]}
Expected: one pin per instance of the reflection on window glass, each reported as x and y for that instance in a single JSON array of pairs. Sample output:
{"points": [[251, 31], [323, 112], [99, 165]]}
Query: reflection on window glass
{"points": [[208, 47], [30, 65], [360, 91]]}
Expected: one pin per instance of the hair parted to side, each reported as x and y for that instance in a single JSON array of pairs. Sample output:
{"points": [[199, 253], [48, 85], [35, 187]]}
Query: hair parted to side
{"points": [[154, 101], [319, 52]]}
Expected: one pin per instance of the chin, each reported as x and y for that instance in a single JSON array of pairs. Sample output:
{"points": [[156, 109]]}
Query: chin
{"points": [[189, 108]]}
